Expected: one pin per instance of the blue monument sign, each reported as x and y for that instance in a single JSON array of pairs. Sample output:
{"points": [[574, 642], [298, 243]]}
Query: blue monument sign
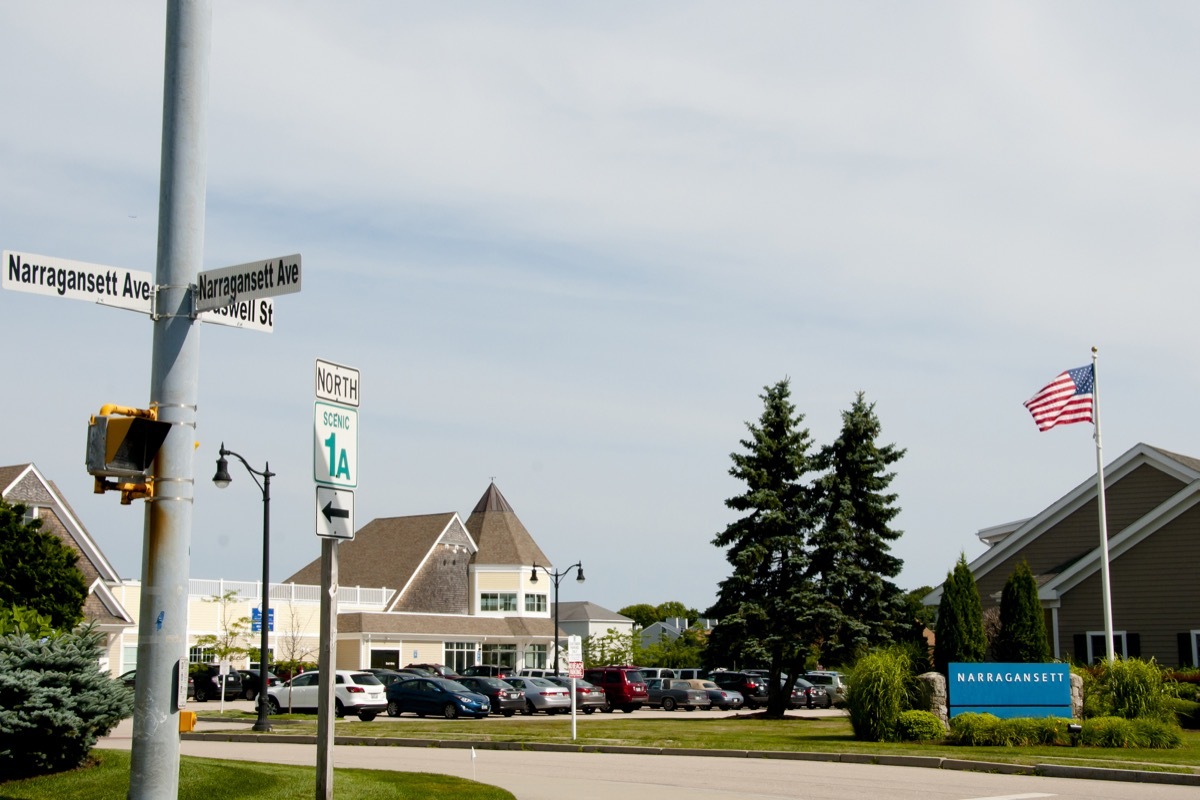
{"points": [[1010, 690]]}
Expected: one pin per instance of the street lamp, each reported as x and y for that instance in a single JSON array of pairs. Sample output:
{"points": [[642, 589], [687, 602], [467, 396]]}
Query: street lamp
{"points": [[222, 479], [557, 578]]}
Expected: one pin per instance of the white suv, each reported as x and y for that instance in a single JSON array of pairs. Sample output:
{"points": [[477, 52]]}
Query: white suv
{"points": [[354, 692]]}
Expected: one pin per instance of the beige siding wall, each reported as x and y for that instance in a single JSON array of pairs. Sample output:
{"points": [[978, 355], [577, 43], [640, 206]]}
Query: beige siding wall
{"points": [[1154, 592], [497, 581], [1128, 500]]}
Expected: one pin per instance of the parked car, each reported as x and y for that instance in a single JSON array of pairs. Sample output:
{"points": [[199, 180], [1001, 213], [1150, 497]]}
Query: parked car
{"points": [[587, 697], [448, 698], [542, 695], [692, 673], [810, 695], [670, 694], [753, 687], [657, 672], [354, 691], [536, 673], [250, 682], [488, 671], [624, 686], [438, 670], [834, 684], [724, 699], [389, 676], [130, 677], [504, 698], [209, 682]]}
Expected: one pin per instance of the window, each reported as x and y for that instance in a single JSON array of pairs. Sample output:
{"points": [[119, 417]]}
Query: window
{"points": [[255, 653], [535, 656], [535, 602], [504, 655], [200, 655], [459, 655], [498, 601], [1125, 645], [128, 657]]}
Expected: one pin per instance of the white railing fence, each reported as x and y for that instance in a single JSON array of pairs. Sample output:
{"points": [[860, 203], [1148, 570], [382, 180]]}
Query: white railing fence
{"points": [[289, 592]]}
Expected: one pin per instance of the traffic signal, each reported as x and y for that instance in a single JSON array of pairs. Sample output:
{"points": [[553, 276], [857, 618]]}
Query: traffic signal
{"points": [[122, 443]]}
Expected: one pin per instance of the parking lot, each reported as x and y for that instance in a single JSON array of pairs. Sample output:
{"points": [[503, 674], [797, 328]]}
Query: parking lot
{"points": [[211, 707]]}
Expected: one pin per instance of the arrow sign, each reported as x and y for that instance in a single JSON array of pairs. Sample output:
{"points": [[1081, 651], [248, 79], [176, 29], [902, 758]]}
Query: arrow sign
{"points": [[335, 513], [330, 512]]}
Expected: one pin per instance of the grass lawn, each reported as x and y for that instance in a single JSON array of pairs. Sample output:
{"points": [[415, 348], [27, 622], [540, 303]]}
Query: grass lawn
{"points": [[203, 779], [743, 732]]}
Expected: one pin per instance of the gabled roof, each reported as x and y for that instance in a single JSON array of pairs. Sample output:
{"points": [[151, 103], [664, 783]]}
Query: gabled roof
{"points": [[25, 484], [1183, 468], [501, 537], [586, 611], [386, 552]]}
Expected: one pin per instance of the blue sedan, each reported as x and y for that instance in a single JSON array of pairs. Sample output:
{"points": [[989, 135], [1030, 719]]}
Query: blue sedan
{"points": [[440, 696]]}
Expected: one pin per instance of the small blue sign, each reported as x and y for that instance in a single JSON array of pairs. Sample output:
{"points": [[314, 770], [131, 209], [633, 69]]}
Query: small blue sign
{"points": [[256, 620], [1010, 690]]}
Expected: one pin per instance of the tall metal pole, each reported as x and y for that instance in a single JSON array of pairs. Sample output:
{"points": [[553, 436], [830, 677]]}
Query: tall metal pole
{"points": [[327, 663], [162, 625], [556, 579], [1105, 580]]}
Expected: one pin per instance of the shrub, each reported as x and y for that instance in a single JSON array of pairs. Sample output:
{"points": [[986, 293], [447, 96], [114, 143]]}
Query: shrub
{"points": [[54, 701], [973, 729], [1137, 689], [919, 726], [1187, 712], [985, 730], [880, 691], [1122, 732]]}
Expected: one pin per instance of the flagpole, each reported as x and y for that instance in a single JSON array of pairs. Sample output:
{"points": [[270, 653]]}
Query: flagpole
{"points": [[1105, 584]]}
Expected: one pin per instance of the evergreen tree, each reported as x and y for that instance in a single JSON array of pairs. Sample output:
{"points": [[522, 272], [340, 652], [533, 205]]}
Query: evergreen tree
{"points": [[960, 635], [852, 561], [765, 604], [37, 570], [1022, 637]]}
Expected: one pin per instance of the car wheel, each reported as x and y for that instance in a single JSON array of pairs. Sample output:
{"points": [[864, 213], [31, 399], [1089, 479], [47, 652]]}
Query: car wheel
{"points": [[201, 695], [629, 709], [589, 710], [668, 704], [273, 705], [607, 709], [690, 708], [367, 716], [725, 708], [339, 710], [450, 711], [393, 709], [508, 712], [529, 709]]}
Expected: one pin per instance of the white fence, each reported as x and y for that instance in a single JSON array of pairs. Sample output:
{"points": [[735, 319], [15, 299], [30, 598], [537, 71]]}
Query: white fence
{"points": [[290, 592]]}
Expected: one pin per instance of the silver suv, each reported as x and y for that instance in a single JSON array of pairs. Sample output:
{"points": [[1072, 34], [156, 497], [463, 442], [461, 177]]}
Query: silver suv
{"points": [[834, 684]]}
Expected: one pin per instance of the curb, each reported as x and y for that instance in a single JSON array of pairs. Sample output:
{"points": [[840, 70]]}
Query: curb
{"points": [[921, 762]]}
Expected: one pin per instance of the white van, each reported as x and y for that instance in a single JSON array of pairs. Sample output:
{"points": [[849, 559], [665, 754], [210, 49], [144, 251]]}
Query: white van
{"points": [[692, 673], [657, 672]]}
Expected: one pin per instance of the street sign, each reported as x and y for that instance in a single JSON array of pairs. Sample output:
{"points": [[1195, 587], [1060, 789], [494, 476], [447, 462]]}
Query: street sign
{"points": [[254, 315], [575, 669], [337, 383], [256, 620], [221, 287], [335, 513], [575, 648], [78, 280], [335, 445]]}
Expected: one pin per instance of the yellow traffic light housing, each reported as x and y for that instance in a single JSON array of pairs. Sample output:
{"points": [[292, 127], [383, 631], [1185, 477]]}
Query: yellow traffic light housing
{"points": [[122, 443]]}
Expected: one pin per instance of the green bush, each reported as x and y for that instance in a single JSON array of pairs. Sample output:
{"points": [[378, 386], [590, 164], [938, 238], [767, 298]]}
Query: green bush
{"points": [[919, 726], [1122, 732], [881, 689], [54, 701], [1187, 712], [986, 730]]}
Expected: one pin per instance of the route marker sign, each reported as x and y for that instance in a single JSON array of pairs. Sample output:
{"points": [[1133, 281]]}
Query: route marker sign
{"points": [[335, 445], [218, 288], [337, 383]]}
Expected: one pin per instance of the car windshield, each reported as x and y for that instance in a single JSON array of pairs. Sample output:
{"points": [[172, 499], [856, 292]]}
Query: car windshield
{"points": [[633, 676], [365, 679], [451, 686], [491, 683], [709, 685], [540, 682], [802, 684]]}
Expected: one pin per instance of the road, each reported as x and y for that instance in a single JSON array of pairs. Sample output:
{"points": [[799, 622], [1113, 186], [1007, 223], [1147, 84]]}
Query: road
{"points": [[603, 776]]}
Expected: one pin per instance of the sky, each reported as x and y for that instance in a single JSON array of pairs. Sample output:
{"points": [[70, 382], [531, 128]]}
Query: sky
{"points": [[568, 245]]}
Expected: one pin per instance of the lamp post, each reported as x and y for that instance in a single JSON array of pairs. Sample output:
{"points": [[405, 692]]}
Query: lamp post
{"points": [[557, 578], [222, 479]]}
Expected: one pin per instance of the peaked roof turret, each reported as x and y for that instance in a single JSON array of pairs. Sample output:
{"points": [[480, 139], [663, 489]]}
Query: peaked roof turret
{"points": [[500, 535]]}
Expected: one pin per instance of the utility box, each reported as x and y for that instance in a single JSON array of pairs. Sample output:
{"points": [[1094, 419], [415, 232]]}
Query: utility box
{"points": [[187, 721]]}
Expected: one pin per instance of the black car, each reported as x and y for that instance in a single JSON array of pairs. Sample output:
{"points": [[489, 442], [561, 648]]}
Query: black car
{"points": [[250, 682], [389, 676], [753, 687], [129, 678], [505, 698], [488, 671], [810, 695], [208, 680]]}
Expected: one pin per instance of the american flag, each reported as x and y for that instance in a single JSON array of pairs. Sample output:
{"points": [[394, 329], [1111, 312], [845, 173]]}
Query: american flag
{"points": [[1066, 399]]}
